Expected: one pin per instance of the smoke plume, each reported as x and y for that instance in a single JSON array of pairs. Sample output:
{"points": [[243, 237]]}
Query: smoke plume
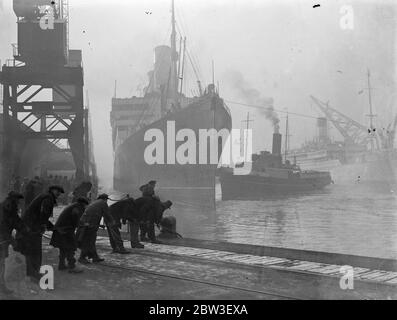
{"points": [[254, 97]]}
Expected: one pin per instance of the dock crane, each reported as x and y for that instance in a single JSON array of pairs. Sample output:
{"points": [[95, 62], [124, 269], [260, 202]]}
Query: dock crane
{"points": [[355, 133], [43, 63], [352, 131]]}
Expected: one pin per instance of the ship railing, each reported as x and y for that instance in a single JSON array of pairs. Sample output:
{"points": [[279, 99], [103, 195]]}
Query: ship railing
{"points": [[14, 63], [227, 109]]}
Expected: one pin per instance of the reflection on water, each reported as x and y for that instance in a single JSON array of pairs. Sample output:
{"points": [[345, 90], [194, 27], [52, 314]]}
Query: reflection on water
{"points": [[353, 219]]}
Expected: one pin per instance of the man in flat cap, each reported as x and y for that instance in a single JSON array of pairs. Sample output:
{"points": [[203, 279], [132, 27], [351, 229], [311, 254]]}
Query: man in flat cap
{"points": [[64, 237], [89, 225], [9, 221], [31, 190], [82, 190], [36, 218], [148, 189]]}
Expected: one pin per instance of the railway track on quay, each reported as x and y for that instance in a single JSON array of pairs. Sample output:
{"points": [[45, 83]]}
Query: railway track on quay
{"points": [[198, 281]]}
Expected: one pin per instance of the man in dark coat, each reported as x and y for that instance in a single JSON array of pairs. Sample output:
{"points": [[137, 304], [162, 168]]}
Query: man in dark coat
{"points": [[17, 184], [121, 212], [89, 225], [82, 191], [151, 215], [30, 191], [148, 189], [64, 237], [9, 221], [149, 196], [36, 218]]}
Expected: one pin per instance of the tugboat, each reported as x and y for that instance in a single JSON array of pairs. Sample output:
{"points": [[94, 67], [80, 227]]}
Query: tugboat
{"points": [[269, 176]]}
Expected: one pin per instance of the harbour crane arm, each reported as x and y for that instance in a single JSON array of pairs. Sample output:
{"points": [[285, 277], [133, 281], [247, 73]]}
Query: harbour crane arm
{"points": [[351, 130]]}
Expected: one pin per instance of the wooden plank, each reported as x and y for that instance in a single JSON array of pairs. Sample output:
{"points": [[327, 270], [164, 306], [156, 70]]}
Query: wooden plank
{"points": [[276, 261], [330, 270], [306, 266], [358, 272], [259, 261], [371, 275], [188, 250], [204, 253], [208, 255], [387, 276], [392, 281], [248, 257], [223, 256], [269, 261], [234, 257], [322, 270]]}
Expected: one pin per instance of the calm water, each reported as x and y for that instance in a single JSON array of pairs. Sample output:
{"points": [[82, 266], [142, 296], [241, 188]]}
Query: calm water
{"points": [[352, 219]]}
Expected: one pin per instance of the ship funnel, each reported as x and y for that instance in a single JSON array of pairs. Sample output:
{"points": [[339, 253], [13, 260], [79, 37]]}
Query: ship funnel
{"points": [[276, 144], [162, 66]]}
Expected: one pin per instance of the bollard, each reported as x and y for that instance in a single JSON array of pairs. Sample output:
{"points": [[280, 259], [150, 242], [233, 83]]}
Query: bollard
{"points": [[168, 228]]}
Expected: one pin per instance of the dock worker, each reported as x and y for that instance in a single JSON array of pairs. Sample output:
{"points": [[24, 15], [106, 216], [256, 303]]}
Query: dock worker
{"points": [[149, 195], [88, 229], [148, 189], [152, 215], [82, 190], [36, 218], [32, 189], [64, 237], [17, 183], [122, 211], [9, 221]]}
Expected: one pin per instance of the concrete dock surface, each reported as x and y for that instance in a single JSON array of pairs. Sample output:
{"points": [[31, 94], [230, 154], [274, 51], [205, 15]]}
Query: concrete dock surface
{"points": [[189, 269]]}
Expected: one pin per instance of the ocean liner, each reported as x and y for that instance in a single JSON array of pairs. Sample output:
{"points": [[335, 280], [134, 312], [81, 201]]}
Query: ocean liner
{"points": [[163, 105]]}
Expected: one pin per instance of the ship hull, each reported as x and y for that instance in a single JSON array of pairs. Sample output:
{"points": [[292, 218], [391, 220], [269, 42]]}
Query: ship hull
{"points": [[190, 184], [254, 187], [375, 168]]}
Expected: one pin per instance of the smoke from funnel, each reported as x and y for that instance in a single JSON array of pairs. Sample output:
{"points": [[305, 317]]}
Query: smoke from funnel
{"points": [[253, 96], [272, 116]]}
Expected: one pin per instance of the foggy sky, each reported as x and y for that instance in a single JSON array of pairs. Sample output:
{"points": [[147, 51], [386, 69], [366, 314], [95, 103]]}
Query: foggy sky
{"points": [[284, 50]]}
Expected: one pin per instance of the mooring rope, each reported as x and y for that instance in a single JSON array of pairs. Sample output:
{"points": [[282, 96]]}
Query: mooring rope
{"points": [[127, 196]]}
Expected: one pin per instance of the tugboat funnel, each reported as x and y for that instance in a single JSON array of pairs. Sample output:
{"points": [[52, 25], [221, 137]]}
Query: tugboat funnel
{"points": [[276, 144]]}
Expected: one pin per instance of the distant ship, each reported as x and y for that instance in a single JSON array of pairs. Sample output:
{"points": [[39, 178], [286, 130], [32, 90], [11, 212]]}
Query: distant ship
{"points": [[366, 155], [269, 176], [162, 104]]}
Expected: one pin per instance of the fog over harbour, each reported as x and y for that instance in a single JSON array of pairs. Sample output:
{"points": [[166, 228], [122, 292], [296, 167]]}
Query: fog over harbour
{"points": [[265, 52], [112, 186]]}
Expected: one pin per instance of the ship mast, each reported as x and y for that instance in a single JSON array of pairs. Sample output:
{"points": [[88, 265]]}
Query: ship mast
{"points": [[174, 59], [371, 115], [286, 143], [246, 156], [183, 67]]}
